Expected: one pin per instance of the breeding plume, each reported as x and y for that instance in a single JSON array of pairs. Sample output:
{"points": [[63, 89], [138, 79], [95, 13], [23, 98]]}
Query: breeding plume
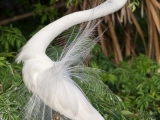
{"points": [[52, 81]]}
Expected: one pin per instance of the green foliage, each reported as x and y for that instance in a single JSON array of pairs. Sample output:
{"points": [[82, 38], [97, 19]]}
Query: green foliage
{"points": [[70, 2], [11, 39], [13, 95], [3, 58], [134, 4], [137, 84], [2, 61], [46, 13], [52, 1]]}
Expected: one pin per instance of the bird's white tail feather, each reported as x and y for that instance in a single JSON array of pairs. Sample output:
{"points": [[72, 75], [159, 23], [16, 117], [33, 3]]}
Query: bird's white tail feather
{"points": [[66, 97]]}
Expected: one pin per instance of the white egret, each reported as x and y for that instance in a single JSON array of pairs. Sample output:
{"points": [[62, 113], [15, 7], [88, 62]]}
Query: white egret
{"points": [[51, 80]]}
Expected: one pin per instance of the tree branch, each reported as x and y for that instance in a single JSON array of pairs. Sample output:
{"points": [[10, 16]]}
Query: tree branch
{"points": [[26, 15]]}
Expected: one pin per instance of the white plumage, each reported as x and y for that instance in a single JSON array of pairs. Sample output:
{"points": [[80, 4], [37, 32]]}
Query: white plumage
{"points": [[51, 81]]}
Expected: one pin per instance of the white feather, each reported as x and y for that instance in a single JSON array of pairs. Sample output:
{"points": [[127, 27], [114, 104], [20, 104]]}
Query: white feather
{"points": [[51, 81]]}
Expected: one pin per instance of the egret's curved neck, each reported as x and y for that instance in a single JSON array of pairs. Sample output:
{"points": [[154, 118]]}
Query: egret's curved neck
{"points": [[43, 38]]}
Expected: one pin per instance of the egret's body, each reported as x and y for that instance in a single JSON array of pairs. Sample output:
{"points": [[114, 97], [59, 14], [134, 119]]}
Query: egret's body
{"points": [[51, 80]]}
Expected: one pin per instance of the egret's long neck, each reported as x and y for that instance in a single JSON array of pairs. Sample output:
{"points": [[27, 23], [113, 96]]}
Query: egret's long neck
{"points": [[42, 39]]}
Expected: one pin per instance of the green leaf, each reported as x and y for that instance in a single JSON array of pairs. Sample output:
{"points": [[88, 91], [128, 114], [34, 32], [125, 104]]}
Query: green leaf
{"points": [[52, 1], [126, 113]]}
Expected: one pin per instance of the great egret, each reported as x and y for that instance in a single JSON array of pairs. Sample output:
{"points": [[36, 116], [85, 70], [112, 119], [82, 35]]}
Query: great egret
{"points": [[51, 80]]}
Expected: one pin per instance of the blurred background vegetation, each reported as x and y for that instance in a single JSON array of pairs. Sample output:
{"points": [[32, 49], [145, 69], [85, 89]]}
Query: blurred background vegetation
{"points": [[129, 53]]}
